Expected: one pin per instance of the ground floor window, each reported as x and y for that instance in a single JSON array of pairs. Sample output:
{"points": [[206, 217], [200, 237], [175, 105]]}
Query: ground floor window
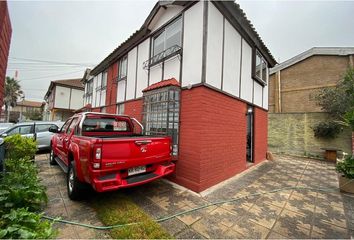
{"points": [[161, 113]]}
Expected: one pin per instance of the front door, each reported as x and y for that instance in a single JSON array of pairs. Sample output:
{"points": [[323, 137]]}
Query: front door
{"points": [[249, 147]]}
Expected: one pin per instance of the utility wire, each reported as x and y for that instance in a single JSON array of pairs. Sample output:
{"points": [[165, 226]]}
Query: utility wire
{"points": [[55, 62], [41, 77]]}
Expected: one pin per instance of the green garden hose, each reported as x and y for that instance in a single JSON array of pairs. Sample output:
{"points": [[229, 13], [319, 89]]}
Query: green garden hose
{"points": [[190, 210]]}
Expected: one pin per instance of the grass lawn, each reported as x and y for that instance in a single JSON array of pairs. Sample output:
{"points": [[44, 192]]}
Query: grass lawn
{"points": [[116, 208]]}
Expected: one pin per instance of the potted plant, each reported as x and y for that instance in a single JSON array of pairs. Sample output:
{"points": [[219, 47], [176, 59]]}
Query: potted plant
{"points": [[345, 169]]}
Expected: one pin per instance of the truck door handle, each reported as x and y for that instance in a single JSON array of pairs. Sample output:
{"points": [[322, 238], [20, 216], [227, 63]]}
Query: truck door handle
{"points": [[142, 142]]}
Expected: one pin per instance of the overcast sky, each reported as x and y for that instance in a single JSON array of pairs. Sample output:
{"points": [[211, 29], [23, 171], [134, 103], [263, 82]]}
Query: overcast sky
{"points": [[85, 32]]}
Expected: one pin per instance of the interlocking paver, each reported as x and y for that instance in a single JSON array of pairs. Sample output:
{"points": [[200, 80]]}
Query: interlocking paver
{"points": [[60, 206], [289, 213]]}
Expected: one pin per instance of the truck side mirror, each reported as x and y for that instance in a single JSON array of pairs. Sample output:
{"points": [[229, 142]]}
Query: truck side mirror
{"points": [[53, 129]]}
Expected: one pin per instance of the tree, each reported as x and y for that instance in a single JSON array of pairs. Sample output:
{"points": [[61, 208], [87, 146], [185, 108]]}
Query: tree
{"points": [[338, 102], [12, 93]]}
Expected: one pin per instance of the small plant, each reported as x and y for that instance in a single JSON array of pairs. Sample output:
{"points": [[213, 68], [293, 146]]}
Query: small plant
{"points": [[349, 119], [21, 194], [20, 223], [346, 167], [18, 147], [327, 130], [20, 187]]}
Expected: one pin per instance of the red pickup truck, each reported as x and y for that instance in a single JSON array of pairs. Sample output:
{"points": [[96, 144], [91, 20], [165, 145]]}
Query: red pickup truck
{"points": [[103, 150]]}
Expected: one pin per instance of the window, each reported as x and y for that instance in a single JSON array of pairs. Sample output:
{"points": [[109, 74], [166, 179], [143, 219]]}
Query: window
{"points": [[65, 126], [43, 127], [260, 68], [72, 126], [120, 108], [21, 130], [167, 42], [104, 80], [105, 125], [89, 91], [161, 114], [122, 68]]}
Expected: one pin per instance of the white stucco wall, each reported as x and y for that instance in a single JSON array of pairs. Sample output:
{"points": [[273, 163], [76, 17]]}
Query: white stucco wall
{"points": [[232, 60], [214, 46], [172, 68], [62, 97], [131, 74], [76, 99], [142, 77], [164, 15], [246, 72], [192, 45]]}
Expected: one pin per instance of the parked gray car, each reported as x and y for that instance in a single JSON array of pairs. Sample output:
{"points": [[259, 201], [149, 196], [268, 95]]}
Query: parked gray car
{"points": [[31, 129]]}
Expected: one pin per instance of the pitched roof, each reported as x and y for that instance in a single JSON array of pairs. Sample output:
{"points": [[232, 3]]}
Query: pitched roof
{"points": [[74, 83], [236, 15], [26, 103], [328, 51], [229, 8], [163, 83], [70, 82]]}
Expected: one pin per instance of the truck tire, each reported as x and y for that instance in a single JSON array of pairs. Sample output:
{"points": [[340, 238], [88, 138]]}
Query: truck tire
{"points": [[52, 157], [75, 188]]}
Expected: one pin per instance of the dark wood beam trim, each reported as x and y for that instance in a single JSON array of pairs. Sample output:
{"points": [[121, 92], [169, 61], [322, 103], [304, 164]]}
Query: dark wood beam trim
{"points": [[205, 39], [222, 53]]}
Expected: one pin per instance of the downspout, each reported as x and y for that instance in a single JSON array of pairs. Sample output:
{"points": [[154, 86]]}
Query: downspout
{"points": [[279, 92]]}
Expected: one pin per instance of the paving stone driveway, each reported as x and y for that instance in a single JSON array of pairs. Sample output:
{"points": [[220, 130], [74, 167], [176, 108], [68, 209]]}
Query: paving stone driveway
{"points": [[284, 214]]}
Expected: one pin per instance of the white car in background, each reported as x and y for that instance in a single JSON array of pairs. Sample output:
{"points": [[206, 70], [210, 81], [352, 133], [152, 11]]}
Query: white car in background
{"points": [[38, 130], [4, 126]]}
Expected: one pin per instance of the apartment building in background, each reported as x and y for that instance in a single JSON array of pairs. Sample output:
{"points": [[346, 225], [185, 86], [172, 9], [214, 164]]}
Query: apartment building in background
{"points": [[63, 98]]}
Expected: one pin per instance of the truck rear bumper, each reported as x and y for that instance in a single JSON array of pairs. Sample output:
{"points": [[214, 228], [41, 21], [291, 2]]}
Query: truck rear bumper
{"points": [[114, 181]]}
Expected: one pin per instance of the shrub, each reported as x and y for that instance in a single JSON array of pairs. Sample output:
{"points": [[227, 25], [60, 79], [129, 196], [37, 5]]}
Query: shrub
{"points": [[18, 147], [21, 194], [21, 187], [346, 167], [20, 223], [327, 130]]}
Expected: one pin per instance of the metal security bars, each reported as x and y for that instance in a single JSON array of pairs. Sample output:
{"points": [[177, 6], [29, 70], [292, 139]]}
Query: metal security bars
{"points": [[161, 113], [162, 56]]}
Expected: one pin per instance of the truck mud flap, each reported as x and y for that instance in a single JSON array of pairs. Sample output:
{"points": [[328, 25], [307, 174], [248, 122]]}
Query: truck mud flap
{"points": [[140, 178]]}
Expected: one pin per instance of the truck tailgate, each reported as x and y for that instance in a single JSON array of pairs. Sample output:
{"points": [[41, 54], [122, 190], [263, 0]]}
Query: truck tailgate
{"points": [[124, 153]]}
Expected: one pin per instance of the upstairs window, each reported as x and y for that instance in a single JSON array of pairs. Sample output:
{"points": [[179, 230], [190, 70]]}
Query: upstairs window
{"points": [[260, 68], [104, 79], [122, 68], [168, 41]]}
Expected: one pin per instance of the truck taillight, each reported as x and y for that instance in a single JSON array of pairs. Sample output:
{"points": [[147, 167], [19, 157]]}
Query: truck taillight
{"points": [[97, 158]]}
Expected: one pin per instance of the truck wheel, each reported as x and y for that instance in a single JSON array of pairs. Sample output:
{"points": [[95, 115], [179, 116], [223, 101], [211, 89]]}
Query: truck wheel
{"points": [[52, 157], [74, 186]]}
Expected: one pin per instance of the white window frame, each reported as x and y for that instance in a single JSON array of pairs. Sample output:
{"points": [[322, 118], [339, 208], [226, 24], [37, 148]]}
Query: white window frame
{"points": [[163, 32], [123, 75], [258, 73]]}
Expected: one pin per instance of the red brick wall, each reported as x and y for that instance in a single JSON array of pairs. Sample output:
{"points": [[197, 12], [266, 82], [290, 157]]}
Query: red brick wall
{"points": [[98, 109], [260, 134], [134, 109], [5, 38], [213, 138]]}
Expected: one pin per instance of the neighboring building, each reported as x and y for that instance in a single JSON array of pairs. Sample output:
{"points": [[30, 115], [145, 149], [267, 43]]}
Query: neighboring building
{"points": [[29, 109], [63, 98], [294, 83], [5, 38], [293, 112], [198, 72]]}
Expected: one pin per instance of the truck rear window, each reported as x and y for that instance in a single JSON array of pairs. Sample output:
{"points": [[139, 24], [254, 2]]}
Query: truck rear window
{"points": [[105, 125]]}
